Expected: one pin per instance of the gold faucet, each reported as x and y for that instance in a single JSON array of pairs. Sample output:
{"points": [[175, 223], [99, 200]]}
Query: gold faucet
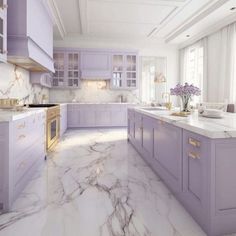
{"points": [[169, 103]]}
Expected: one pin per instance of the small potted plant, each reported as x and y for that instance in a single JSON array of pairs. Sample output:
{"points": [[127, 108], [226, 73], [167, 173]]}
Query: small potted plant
{"points": [[185, 92]]}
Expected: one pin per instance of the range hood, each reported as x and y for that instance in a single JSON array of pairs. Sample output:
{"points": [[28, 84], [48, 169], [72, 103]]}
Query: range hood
{"points": [[30, 35], [24, 52]]}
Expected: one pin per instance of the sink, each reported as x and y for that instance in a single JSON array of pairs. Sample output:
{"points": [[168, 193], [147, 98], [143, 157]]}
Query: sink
{"points": [[154, 108]]}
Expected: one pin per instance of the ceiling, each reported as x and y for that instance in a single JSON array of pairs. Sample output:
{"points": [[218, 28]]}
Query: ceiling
{"points": [[169, 21]]}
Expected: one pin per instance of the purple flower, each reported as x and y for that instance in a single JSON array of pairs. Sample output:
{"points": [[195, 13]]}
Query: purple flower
{"points": [[185, 90]]}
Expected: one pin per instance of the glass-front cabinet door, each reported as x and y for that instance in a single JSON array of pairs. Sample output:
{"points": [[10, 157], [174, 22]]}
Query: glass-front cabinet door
{"points": [[131, 71], [73, 71], [3, 30], [117, 80], [59, 65]]}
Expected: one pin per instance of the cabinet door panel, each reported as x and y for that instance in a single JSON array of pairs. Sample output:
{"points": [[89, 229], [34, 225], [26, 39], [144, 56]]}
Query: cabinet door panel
{"points": [[73, 118], [168, 153], [119, 117], [103, 118], [147, 136], [87, 118], [138, 129]]}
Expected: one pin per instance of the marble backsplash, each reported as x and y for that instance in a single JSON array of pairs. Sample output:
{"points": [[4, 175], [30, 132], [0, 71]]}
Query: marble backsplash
{"points": [[15, 83], [93, 91]]}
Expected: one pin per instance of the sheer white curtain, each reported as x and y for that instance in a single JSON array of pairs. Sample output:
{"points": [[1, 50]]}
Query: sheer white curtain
{"points": [[193, 66], [226, 78]]}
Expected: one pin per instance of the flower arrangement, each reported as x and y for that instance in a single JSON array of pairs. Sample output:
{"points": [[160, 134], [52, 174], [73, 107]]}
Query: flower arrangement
{"points": [[185, 92]]}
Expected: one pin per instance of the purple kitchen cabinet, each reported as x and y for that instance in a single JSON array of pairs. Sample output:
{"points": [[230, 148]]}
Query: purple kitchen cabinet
{"points": [[168, 154], [22, 153], [199, 171], [124, 70], [196, 167], [30, 35], [95, 64], [147, 136], [97, 115], [138, 132], [131, 123], [3, 30], [63, 118], [67, 68]]}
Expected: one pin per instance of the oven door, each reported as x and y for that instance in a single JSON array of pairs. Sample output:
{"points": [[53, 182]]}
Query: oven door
{"points": [[52, 131]]}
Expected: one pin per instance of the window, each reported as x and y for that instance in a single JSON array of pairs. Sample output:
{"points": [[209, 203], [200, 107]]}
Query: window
{"points": [[193, 68], [151, 67]]}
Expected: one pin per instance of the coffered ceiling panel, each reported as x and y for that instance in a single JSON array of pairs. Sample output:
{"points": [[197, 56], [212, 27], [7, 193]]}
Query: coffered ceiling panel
{"points": [[160, 20], [125, 18]]}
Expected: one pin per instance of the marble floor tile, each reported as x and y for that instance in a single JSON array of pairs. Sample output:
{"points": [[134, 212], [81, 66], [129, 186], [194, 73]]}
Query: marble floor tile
{"points": [[95, 184]]}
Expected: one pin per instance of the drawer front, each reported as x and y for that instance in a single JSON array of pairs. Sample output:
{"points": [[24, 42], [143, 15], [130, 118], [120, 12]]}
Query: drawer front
{"points": [[26, 131]]}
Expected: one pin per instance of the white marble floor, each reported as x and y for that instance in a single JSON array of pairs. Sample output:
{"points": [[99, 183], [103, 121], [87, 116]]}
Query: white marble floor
{"points": [[95, 184]]}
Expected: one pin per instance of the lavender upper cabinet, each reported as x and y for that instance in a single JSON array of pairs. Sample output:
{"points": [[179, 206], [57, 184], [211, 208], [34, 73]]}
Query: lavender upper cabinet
{"points": [[124, 71], [30, 34], [95, 65], [67, 69], [3, 30], [168, 153]]}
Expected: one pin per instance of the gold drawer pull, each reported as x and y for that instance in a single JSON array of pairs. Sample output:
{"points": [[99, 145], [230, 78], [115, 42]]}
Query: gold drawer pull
{"points": [[193, 155], [21, 137], [21, 126], [194, 142]]}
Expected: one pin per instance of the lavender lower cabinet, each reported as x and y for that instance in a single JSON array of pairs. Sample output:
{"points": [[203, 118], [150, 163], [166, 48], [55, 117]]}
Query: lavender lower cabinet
{"points": [[138, 131], [196, 169], [63, 118], [22, 152], [168, 154], [147, 136], [131, 124]]}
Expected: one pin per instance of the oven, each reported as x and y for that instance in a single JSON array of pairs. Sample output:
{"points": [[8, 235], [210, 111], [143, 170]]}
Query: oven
{"points": [[53, 126]]}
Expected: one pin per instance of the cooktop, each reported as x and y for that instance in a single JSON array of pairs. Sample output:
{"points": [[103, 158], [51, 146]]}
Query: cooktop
{"points": [[42, 105]]}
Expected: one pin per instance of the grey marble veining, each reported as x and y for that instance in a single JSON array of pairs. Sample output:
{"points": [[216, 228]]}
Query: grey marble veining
{"points": [[95, 184]]}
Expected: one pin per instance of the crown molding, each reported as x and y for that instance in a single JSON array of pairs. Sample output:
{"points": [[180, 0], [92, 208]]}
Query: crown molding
{"points": [[57, 18], [210, 30], [195, 18]]}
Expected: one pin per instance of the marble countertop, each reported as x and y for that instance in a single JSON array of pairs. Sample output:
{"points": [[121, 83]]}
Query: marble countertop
{"points": [[10, 115], [101, 103], [212, 128]]}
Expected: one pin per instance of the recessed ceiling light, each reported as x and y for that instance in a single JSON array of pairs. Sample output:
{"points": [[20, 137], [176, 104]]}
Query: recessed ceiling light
{"points": [[232, 8], [187, 35]]}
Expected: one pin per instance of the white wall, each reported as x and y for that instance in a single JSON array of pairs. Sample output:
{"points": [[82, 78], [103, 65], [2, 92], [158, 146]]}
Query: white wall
{"points": [[15, 83], [147, 48]]}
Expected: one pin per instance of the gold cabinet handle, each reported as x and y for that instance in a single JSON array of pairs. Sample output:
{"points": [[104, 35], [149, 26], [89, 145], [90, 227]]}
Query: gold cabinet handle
{"points": [[193, 155], [21, 137], [194, 142], [21, 126]]}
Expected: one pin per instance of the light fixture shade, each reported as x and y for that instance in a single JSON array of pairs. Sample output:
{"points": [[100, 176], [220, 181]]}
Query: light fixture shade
{"points": [[159, 78]]}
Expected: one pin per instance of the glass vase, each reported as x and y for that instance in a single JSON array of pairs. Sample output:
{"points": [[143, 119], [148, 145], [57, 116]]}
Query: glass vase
{"points": [[185, 100]]}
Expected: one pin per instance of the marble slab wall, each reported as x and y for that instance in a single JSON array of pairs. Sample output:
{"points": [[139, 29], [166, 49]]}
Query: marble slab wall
{"points": [[93, 91], [15, 83]]}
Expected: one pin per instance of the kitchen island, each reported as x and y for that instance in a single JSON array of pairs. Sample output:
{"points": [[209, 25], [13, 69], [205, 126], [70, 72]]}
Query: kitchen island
{"points": [[196, 158]]}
